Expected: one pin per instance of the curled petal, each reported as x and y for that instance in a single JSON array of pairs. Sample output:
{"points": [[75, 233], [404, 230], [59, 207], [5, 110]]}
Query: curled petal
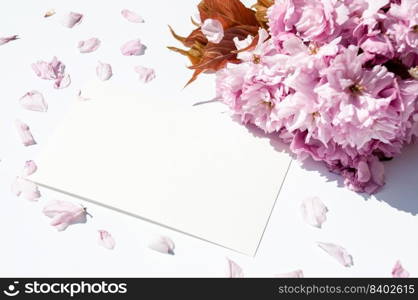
{"points": [[89, 45], [234, 270], [145, 74], [49, 13], [6, 39], [293, 274], [314, 211], [22, 187], [71, 19], [25, 133], [104, 71], [29, 168], [213, 30], [163, 245], [64, 213], [34, 100], [62, 82], [413, 72], [132, 16], [398, 271], [337, 252], [133, 47], [106, 240]]}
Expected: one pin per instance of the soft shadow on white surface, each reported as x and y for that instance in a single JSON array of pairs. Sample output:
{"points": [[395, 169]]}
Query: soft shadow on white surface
{"points": [[401, 189]]}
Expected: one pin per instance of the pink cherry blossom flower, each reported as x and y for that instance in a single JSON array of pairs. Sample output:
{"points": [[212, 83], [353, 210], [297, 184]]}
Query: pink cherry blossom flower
{"points": [[312, 20], [89, 45], [133, 47], [25, 133], [7, 39], [104, 71], [34, 101], [213, 30], [145, 74], [64, 213], [106, 240], [398, 271], [132, 16]]}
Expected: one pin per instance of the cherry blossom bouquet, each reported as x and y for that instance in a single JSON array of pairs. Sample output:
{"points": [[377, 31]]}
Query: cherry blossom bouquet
{"points": [[337, 80]]}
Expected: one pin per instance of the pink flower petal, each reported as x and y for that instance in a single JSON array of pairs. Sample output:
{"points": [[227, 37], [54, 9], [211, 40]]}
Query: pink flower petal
{"points": [[24, 133], [104, 71], [145, 74], [337, 252], [132, 16], [163, 245], [34, 101], [398, 271], [71, 19], [234, 270], [133, 47], [213, 30], [64, 213], [30, 168], [314, 211], [293, 274], [106, 240], [22, 187], [62, 82], [7, 39], [89, 45]]}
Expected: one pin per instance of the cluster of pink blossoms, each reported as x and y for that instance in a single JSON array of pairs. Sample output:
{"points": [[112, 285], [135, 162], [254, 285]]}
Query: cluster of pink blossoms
{"points": [[335, 79]]}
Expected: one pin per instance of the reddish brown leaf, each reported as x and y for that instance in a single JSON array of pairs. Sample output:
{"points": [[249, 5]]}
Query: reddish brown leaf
{"points": [[228, 12]]}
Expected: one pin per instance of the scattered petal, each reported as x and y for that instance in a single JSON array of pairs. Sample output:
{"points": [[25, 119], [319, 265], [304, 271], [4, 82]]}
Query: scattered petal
{"points": [[132, 16], [163, 245], [29, 168], [145, 74], [24, 133], [134, 47], [64, 213], [89, 45], [338, 252], [22, 187], [71, 19], [104, 71], [213, 30], [314, 211], [49, 13], [82, 98], [234, 270], [62, 82], [106, 240], [5, 40], [34, 101], [293, 274], [398, 271]]}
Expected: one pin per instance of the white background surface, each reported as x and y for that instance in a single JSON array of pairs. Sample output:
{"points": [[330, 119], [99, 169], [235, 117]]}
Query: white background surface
{"points": [[376, 231]]}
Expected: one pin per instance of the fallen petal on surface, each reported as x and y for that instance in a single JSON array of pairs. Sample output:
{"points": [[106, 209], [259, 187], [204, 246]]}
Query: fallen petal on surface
{"points": [[34, 101]]}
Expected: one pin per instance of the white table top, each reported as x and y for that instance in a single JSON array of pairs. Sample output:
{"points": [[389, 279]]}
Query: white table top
{"points": [[377, 230]]}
